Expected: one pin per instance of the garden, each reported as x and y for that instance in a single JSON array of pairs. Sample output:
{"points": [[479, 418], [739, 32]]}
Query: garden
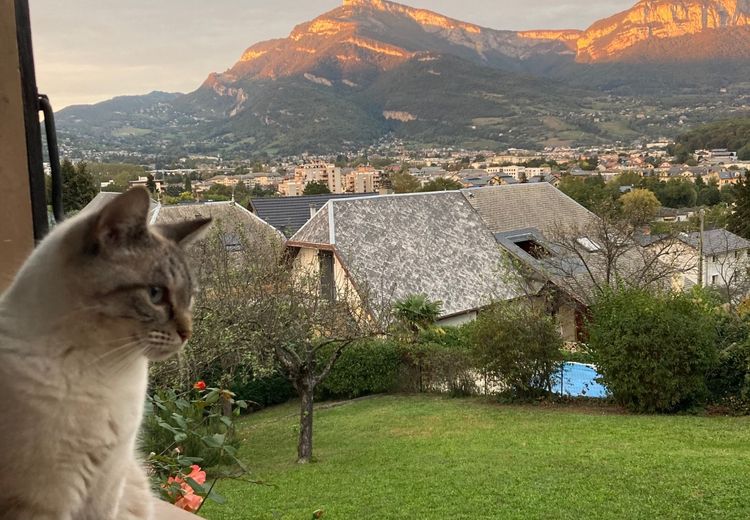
{"points": [[410, 419]]}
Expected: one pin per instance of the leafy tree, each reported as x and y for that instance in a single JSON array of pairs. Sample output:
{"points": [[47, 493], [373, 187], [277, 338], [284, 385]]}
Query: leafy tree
{"points": [[260, 191], [640, 206], [588, 191], [739, 220], [743, 154], [256, 313], [404, 182], [678, 193], [518, 346], [442, 184], [77, 186], [316, 188], [653, 350], [708, 195]]}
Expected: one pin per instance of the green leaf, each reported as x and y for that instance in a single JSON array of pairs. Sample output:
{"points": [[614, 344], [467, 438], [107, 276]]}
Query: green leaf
{"points": [[213, 441]]}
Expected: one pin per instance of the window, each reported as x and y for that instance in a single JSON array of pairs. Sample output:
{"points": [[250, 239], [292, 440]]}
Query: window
{"points": [[232, 242], [715, 279], [327, 285], [714, 259], [533, 248]]}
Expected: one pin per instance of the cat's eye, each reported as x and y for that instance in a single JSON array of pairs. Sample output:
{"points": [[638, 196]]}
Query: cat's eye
{"points": [[156, 294]]}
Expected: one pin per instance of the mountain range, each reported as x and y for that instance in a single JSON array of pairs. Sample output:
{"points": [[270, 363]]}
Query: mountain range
{"points": [[372, 68]]}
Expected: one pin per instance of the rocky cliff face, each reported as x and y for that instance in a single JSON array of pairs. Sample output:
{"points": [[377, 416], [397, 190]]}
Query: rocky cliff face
{"points": [[650, 20]]}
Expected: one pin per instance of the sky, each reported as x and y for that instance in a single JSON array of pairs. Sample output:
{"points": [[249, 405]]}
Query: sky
{"points": [[88, 51]]}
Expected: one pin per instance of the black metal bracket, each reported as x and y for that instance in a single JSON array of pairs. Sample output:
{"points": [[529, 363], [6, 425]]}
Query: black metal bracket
{"points": [[54, 157]]}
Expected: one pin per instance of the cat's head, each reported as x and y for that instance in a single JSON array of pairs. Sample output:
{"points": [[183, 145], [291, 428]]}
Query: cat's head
{"points": [[131, 280]]}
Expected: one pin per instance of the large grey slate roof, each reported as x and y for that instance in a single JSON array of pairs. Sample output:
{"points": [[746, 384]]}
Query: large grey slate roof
{"points": [[230, 217], [288, 214], [716, 241], [529, 205], [398, 245]]}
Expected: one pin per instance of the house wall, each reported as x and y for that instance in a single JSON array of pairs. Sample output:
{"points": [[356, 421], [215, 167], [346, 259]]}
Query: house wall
{"points": [[306, 263], [458, 320]]}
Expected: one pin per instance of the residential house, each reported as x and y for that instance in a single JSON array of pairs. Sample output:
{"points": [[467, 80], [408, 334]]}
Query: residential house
{"points": [[725, 262], [288, 214], [451, 246], [238, 226]]}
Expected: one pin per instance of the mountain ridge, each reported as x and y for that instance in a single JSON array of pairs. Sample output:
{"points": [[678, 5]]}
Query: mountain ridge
{"points": [[368, 68]]}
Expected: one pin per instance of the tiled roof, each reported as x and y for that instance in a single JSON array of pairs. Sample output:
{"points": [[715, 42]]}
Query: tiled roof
{"points": [[398, 245], [288, 214], [232, 218], [530, 205], [716, 241]]}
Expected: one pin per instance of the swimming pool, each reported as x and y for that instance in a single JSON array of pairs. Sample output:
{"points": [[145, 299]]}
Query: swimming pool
{"points": [[578, 380]]}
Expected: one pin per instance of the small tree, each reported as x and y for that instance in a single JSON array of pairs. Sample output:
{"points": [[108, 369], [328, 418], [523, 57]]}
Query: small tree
{"points": [[404, 182], [739, 220], [415, 315], [653, 349], [150, 183], [77, 186], [442, 184], [256, 313], [640, 206], [517, 346], [188, 185], [316, 188]]}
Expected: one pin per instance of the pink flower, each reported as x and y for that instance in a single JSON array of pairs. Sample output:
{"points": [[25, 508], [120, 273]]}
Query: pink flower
{"points": [[197, 475], [186, 498], [189, 502], [200, 385]]}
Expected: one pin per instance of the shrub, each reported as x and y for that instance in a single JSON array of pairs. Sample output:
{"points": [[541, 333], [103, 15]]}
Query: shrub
{"points": [[439, 361], [729, 380], [653, 350], [518, 347], [183, 430], [365, 367], [262, 391]]}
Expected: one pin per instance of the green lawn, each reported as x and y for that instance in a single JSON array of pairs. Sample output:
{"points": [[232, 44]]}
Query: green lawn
{"points": [[427, 457]]}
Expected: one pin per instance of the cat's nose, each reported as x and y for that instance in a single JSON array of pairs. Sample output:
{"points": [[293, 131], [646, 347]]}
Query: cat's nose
{"points": [[184, 334]]}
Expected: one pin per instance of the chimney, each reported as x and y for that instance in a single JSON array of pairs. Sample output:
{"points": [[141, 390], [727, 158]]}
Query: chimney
{"points": [[313, 210]]}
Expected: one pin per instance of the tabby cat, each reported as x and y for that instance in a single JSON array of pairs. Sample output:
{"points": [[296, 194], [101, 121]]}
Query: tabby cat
{"points": [[101, 295]]}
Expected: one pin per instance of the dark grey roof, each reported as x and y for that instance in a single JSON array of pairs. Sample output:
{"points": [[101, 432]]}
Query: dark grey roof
{"points": [[288, 214], [716, 241], [398, 245], [518, 206]]}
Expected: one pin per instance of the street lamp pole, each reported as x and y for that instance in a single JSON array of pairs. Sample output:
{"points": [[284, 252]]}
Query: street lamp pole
{"points": [[702, 215]]}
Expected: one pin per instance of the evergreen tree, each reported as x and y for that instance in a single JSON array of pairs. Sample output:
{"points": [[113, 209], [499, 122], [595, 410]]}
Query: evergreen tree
{"points": [[188, 185], [150, 183], [77, 185], [739, 220]]}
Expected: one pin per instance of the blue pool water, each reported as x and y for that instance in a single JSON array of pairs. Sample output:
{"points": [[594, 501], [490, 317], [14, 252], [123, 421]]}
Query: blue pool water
{"points": [[578, 379]]}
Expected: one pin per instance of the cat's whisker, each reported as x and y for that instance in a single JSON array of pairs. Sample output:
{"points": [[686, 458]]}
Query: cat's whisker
{"points": [[117, 350]]}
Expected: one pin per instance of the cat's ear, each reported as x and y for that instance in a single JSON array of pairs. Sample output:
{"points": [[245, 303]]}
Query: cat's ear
{"points": [[184, 233], [123, 220]]}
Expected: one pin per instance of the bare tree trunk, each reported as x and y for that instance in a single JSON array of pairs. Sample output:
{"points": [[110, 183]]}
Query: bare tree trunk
{"points": [[305, 443]]}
